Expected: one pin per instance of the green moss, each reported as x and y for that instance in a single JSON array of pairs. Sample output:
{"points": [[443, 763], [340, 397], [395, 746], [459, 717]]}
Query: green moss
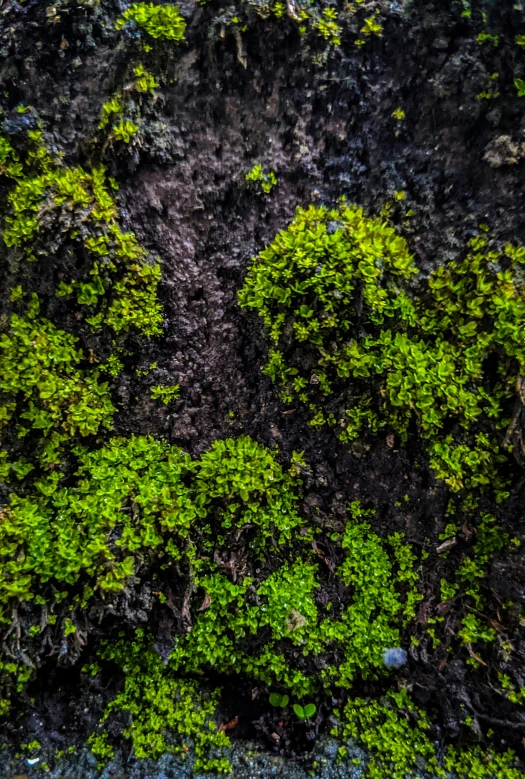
{"points": [[332, 291], [261, 180], [477, 764], [372, 27], [157, 21], [111, 109], [129, 498], [145, 82], [328, 28], [486, 37], [121, 114], [365, 354], [165, 394], [396, 735], [241, 486], [393, 732], [119, 289], [45, 387], [384, 596], [168, 714], [230, 617], [125, 131]]}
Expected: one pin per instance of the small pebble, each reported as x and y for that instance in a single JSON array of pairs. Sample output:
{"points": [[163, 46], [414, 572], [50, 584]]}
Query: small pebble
{"points": [[394, 658]]}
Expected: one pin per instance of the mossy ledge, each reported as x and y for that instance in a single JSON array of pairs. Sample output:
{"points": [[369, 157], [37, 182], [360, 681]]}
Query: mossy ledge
{"points": [[235, 579]]}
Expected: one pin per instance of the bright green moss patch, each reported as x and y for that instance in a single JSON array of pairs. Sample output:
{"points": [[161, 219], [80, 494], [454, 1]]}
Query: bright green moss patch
{"points": [[241, 485], [145, 82], [54, 208], [44, 386], [394, 733], [158, 21], [129, 498], [125, 131], [168, 714], [381, 602], [165, 394], [396, 736], [238, 612], [335, 281], [261, 180], [368, 355], [120, 115], [228, 619]]}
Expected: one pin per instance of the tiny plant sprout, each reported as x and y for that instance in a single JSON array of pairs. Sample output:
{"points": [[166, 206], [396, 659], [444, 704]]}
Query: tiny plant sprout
{"points": [[306, 712], [279, 700], [519, 83], [395, 658]]}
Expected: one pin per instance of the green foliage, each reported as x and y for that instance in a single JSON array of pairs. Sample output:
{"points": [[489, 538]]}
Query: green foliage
{"points": [[120, 115], [44, 385], [144, 80], [241, 485], [393, 741], [125, 131], [129, 498], [120, 287], [513, 693], [165, 394], [279, 700], [100, 746], [262, 180], [111, 109], [306, 712], [395, 734], [158, 21], [476, 764], [229, 617], [486, 37], [328, 28], [332, 291], [167, 713], [519, 83], [371, 623], [215, 641], [372, 26]]}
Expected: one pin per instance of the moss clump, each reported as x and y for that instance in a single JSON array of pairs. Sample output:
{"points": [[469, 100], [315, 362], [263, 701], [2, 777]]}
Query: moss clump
{"points": [[365, 354], [375, 357], [44, 388], [72, 213], [129, 498], [125, 131], [157, 21], [165, 394], [241, 487], [120, 115], [395, 734], [168, 714], [228, 618], [384, 597], [261, 180]]}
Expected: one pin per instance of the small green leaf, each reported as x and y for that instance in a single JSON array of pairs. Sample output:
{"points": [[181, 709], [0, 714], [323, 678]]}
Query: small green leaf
{"points": [[299, 711], [309, 710], [519, 83]]}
